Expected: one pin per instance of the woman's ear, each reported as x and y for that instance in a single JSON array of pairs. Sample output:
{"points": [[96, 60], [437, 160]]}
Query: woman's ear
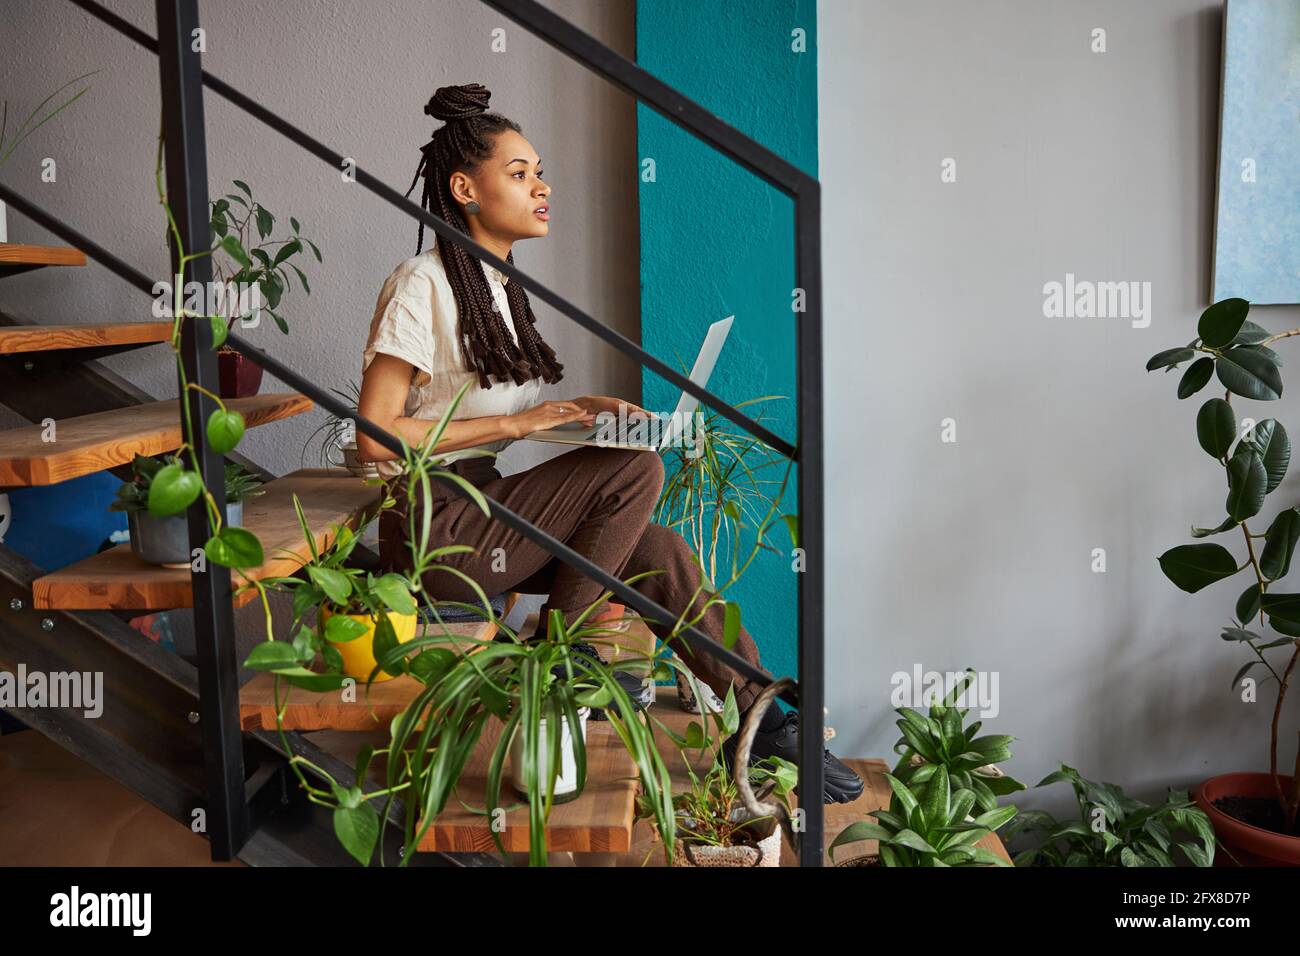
{"points": [[461, 188]]}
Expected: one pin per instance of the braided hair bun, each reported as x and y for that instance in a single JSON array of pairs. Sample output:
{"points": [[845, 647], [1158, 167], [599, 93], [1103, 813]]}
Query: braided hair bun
{"points": [[450, 103]]}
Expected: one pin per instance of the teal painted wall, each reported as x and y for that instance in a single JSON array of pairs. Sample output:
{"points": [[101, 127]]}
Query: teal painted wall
{"points": [[716, 240]]}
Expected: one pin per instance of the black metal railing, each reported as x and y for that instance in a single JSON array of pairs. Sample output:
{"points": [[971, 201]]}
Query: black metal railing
{"points": [[182, 80]]}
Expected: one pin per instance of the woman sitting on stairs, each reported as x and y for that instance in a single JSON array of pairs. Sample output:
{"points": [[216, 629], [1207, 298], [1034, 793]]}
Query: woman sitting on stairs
{"points": [[443, 317]]}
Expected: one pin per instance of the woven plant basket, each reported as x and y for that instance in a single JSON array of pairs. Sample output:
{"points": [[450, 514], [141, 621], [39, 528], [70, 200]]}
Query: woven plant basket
{"points": [[766, 852]]}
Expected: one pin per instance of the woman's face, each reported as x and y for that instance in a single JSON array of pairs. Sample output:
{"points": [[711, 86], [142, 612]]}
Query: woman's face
{"points": [[509, 190]]}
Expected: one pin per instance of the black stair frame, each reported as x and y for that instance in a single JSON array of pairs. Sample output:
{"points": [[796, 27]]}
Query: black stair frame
{"points": [[186, 170]]}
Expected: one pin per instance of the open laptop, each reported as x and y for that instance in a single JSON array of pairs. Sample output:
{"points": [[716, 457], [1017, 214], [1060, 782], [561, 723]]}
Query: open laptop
{"points": [[670, 426]]}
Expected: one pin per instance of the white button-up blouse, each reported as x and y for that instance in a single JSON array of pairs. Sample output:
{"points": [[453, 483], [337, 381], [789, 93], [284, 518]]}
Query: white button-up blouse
{"points": [[416, 320]]}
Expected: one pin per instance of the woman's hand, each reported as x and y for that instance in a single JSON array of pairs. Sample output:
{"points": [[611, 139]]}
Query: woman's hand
{"points": [[547, 415], [595, 404]]}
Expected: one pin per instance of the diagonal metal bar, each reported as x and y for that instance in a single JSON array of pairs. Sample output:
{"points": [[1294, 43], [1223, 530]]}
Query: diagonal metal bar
{"points": [[695, 639], [452, 234]]}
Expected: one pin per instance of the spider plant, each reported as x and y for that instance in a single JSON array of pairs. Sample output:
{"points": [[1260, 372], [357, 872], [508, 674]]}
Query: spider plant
{"points": [[713, 487], [337, 431]]}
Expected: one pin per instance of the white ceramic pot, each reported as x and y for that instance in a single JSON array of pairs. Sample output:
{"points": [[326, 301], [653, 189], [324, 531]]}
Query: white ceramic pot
{"points": [[566, 784], [4, 230], [362, 469]]}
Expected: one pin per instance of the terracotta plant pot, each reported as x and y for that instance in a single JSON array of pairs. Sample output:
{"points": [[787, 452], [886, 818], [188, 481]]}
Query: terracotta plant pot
{"points": [[238, 376], [1250, 845]]}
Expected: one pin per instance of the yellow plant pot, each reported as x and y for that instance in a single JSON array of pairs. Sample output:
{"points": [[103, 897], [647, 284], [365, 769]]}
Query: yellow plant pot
{"points": [[359, 654]]}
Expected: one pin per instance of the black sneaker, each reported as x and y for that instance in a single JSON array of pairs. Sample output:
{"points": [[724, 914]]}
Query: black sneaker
{"points": [[640, 689], [840, 783]]}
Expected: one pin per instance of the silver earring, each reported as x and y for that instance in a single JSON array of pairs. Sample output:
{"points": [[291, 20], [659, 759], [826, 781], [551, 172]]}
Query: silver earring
{"points": [[472, 207]]}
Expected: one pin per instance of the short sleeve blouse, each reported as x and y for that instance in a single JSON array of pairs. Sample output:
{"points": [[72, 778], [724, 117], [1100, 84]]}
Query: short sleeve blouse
{"points": [[415, 319]]}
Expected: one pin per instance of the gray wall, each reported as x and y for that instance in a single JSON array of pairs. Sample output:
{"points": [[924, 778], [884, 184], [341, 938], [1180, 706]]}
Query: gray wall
{"points": [[355, 74], [978, 552]]}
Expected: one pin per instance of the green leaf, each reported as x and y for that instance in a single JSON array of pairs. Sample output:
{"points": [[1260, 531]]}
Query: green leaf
{"points": [[1274, 447], [385, 641], [1195, 566], [357, 828], [394, 591], [1216, 427], [272, 655], [1220, 323], [301, 278], [266, 222], [1282, 607], [219, 330], [1279, 544], [1239, 634], [244, 186], [224, 431], [1195, 377], [731, 625], [1236, 680], [232, 248], [173, 490], [1250, 334], [1206, 532], [336, 585], [792, 524], [288, 249], [1169, 358], [1248, 604], [293, 222], [339, 628], [1247, 372], [1246, 483], [234, 548]]}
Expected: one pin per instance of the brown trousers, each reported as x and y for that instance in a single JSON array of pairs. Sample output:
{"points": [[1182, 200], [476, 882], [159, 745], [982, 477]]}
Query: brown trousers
{"points": [[599, 502]]}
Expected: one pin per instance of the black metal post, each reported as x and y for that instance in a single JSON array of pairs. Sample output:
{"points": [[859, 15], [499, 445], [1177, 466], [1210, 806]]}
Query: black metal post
{"points": [[185, 150], [812, 618]]}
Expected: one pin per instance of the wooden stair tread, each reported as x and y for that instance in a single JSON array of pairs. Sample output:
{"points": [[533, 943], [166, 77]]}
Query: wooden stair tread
{"points": [[16, 339], [17, 254], [91, 443], [117, 579], [306, 710]]}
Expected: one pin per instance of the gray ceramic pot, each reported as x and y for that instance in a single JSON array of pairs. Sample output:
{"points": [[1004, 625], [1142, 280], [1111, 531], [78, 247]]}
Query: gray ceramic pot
{"points": [[166, 541]]}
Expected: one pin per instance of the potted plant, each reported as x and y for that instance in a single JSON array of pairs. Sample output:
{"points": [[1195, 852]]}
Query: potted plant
{"points": [[940, 743], [262, 267], [1254, 814], [340, 435], [1114, 829], [943, 740], [359, 614], [20, 134], [159, 536], [720, 820], [929, 826]]}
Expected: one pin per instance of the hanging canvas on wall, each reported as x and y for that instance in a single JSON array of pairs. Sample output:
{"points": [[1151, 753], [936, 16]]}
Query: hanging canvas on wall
{"points": [[1257, 222]]}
